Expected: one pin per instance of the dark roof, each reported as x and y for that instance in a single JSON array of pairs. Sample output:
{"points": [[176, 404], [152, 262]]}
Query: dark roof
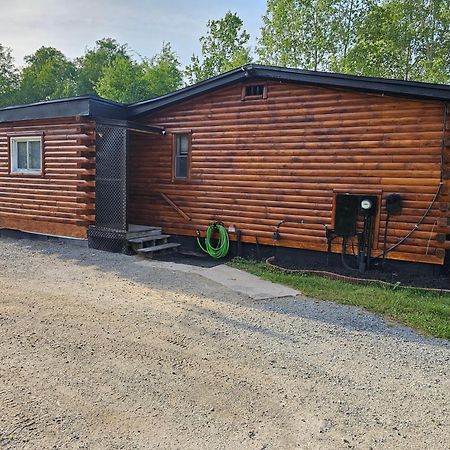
{"points": [[87, 105], [97, 107], [386, 86]]}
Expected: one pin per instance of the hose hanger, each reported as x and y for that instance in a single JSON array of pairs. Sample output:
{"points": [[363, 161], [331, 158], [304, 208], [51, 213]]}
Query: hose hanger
{"points": [[220, 250]]}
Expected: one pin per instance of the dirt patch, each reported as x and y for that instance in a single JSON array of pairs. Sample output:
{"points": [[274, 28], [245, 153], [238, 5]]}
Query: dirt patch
{"points": [[389, 273], [98, 352]]}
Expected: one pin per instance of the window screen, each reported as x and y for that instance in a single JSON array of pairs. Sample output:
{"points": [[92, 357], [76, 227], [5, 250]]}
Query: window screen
{"points": [[181, 156]]}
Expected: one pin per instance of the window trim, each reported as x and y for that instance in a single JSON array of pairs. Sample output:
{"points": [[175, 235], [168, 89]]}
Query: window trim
{"points": [[254, 97], [13, 140], [175, 134]]}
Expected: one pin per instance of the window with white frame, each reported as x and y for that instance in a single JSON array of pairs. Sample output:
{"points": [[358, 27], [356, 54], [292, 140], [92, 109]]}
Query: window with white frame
{"points": [[26, 155]]}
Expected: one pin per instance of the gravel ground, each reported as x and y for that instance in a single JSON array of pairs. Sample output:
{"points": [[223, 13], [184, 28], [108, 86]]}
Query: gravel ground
{"points": [[99, 352]]}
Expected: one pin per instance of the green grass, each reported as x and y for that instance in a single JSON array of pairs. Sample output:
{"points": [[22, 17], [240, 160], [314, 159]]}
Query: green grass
{"points": [[426, 312]]}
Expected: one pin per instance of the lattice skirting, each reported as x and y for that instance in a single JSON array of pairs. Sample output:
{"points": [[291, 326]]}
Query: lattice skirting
{"points": [[108, 240]]}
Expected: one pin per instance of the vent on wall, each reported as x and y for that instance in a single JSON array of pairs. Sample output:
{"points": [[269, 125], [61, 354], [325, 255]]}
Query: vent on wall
{"points": [[254, 91]]}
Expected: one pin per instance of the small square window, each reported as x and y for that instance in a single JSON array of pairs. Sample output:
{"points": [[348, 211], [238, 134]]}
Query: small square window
{"points": [[252, 91], [26, 155]]}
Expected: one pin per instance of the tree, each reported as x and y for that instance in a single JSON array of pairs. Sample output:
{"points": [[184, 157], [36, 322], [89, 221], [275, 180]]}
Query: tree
{"points": [[299, 33], [8, 77], [223, 48], [128, 81], [95, 61], [406, 39], [350, 15], [385, 46], [162, 73], [48, 74], [121, 81], [435, 41]]}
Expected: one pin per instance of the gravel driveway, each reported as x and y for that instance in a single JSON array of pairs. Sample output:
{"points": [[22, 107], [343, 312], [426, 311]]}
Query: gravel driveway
{"points": [[99, 352]]}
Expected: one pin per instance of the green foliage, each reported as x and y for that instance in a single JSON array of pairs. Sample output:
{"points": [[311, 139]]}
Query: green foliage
{"points": [[223, 48], [350, 15], [9, 77], [162, 74], [121, 81], [435, 41], [107, 70], [427, 312], [405, 39], [128, 81], [48, 74], [95, 61], [299, 33]]}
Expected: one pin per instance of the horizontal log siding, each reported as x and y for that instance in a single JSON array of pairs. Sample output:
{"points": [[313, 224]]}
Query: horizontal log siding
{"points": [[61, 202], [445, 204], [257, 162]]}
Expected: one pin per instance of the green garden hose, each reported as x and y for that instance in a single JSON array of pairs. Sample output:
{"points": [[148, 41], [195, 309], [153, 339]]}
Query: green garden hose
{"points": [[223, 244]]}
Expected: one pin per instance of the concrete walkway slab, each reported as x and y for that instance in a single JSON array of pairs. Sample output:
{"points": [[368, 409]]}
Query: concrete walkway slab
{"points": [[248, 284], [234, 279]]}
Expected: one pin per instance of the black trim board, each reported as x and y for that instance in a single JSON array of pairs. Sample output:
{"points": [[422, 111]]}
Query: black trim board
{"points": [[130, 125], [66, 107], [142, 108]]}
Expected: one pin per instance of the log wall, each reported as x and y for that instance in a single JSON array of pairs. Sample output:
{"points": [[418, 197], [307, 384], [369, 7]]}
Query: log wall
{"points": [[445, 198], [61, 201], [257, 162]]}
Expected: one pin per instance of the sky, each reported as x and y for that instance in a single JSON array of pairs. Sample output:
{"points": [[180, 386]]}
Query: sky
{"points": [[73, 25]]}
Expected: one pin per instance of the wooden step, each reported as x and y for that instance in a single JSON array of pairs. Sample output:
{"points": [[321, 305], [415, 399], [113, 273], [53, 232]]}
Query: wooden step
{"points": [[139, 228], [157, 248], [148, 238], [135, 231]]}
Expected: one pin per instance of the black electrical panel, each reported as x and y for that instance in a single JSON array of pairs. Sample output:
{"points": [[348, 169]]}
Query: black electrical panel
{"points": [[348, 208], [346, 215], [393, 203]]}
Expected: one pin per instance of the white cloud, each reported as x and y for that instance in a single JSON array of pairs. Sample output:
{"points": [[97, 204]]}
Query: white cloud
{"points": [[73, 25]]}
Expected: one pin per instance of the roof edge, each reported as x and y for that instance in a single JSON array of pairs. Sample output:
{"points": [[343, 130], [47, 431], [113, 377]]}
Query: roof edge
{"points": [[384, 86], [65, 107], [90, 105]]}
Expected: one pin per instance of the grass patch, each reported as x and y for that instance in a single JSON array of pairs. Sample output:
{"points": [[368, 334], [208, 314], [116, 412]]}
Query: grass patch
{"points": [[423, 311]]}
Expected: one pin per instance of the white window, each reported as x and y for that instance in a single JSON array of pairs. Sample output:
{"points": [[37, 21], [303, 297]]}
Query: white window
{"points": [[26, 155]]}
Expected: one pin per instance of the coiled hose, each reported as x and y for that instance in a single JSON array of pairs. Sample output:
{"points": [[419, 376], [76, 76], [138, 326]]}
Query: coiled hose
{"points": [[223, 244]]}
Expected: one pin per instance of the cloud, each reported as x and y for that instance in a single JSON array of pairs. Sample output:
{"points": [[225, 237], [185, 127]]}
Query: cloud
{"points": [[71, 26]]}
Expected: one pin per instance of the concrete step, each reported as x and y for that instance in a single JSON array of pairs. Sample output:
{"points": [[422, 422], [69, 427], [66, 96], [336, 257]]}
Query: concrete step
{"points": [[148, 238], [157, 248]]}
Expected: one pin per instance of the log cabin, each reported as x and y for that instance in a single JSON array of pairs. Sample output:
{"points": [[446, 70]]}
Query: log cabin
{"points": [[284, 158]]}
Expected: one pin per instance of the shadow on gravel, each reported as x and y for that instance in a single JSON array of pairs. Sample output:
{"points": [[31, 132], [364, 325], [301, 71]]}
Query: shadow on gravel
{"points": [[351, 318]]}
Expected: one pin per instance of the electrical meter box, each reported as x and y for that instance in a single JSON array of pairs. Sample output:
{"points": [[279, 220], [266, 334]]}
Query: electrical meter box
{"points": [[346, 215], [348, 208], [367, 205]]}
